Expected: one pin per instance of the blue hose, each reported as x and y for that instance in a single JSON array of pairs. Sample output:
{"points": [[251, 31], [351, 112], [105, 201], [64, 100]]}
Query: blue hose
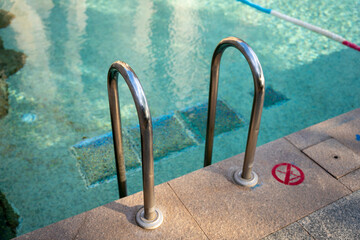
{"points": [[260, 8]]}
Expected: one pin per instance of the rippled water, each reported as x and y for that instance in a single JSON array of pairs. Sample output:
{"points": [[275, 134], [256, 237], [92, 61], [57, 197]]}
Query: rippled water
{"points": [[60, 95]]}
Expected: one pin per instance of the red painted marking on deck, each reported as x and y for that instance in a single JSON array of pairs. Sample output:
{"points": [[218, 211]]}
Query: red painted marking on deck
{"points": [[288, 174]]}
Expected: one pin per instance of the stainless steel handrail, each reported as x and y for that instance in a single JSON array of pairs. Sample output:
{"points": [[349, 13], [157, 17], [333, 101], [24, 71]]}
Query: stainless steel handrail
{"points": [[247, 177], [147, 217]]}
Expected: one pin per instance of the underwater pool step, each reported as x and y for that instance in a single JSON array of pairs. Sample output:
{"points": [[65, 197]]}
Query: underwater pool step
{"points": [[172, 133], [95, 158], [273, 97], [195, 118]]}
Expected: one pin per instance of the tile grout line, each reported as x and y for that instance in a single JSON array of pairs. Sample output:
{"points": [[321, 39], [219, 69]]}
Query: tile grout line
{"points": [[81, 225], [338, 179], [188, 211], [303, 228], [301, 149], [334, 202], [188, 132], [331, 175], [307, 156], [323, 168], [346, 187], [282, 228], [356, 169]]}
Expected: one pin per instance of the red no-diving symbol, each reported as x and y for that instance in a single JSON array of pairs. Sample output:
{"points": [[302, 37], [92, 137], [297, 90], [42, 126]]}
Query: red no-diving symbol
{"points": [[288, 174]]}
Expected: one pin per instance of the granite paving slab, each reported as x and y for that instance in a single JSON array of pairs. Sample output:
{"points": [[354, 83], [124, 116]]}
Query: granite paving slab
{"points": [[116, 220], [65, 229], [337, 159], [348, 134], [227, 211], [293, 232], [352, 180], [320, 132], [340, 220]]}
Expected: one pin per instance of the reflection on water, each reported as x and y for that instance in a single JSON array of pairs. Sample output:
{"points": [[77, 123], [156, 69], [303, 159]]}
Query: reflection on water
{"points": [[184, 28], [142, 34], [31, 38], [74, 81], [60, 96]]}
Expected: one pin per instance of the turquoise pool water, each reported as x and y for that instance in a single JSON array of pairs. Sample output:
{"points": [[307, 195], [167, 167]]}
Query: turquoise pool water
{"points": [[60, 95]]}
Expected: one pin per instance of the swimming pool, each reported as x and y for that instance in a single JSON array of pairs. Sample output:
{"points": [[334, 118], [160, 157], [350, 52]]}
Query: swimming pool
{"points": [[60, 95]]}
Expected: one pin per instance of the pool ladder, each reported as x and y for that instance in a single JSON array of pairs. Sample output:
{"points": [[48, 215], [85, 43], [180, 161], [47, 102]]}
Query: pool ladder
{"points": [[246, 177], [149, 217]]}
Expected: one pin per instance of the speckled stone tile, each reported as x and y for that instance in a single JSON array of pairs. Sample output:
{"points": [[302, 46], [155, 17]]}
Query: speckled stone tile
{"points": [[227, 211], [66, 229], [96, 160], [293, 232], [320, 132], [116, 220], [340, 220], [273, 97], [352, 180], [348, 134], [334, 157], [170, 135], [195, 119]]}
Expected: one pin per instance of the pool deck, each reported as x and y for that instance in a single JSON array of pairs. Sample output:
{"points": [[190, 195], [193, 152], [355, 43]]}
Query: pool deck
{"points": [[323, 203]]}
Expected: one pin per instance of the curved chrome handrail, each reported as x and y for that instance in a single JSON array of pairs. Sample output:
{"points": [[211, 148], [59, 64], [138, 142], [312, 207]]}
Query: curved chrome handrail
{"points": [[247, 177], [148, 217]]}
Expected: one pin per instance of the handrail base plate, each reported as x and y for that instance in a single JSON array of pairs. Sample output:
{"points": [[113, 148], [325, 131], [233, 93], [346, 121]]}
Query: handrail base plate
{"points": [[245, 182], [146, 224]]}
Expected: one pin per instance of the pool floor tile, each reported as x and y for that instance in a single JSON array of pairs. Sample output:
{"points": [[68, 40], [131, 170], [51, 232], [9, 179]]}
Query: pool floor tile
{"points": [[340, 220], [195, 118], [96, 160], [227, 211], [337, 159], [272, 97], [169, 135]]}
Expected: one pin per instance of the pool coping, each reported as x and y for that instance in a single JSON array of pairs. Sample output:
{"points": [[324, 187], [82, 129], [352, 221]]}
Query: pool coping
{"points": [[206, 204]]}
